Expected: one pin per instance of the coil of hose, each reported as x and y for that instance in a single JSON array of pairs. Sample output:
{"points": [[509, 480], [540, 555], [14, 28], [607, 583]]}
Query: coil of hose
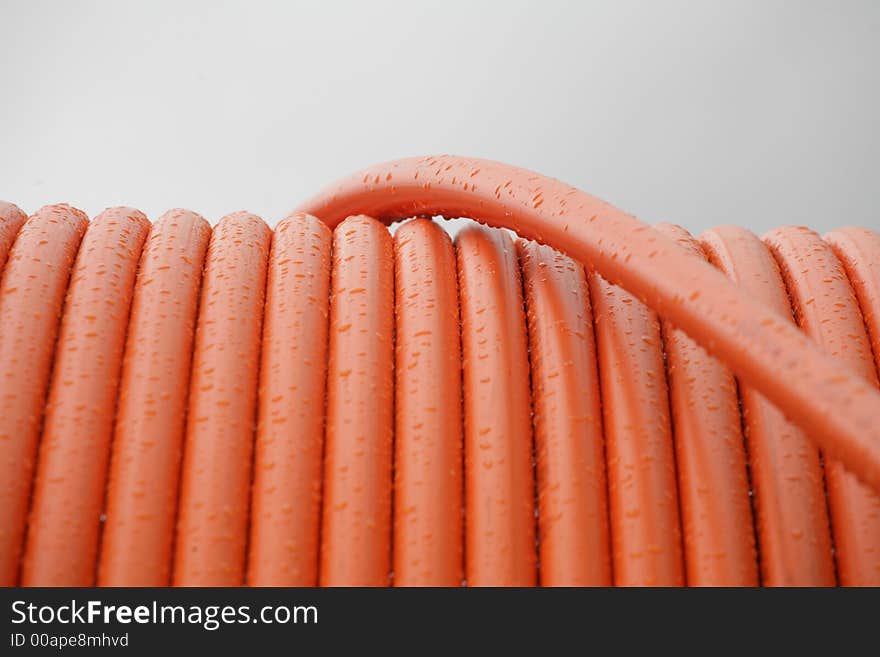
{"points": [[591, 401]]}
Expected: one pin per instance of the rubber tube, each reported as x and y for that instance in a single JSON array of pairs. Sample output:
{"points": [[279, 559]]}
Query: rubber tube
{"points": [[573, 533], [836, 407], [499, 479], [141, 508], [826, 309], [11, 221], [286, 501], [858, 250], [428, 524], [643, 499], [356, 529], [713, 483], [31, 299], [215, 484], [68, 498], [794, 533], [791, 516]]}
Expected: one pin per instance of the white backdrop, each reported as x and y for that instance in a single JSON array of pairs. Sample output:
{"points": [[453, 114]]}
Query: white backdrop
{"points": [[757, 113]]}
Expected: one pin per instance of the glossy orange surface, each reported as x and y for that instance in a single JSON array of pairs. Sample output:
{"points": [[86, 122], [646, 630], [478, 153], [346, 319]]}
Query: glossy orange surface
{"points": [[215, 481], [356, 529], [826, 309], [499, 478], [334, 403], [713, 482], [428, 513], [144, 476]]}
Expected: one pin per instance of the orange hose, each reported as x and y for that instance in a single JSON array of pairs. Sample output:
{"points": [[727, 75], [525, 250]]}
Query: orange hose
{"points": [[836, 407], [286, 503], [428, 548], [11, 221], [417, 466], [31, 298], [643, 500], [790, 511], [716, 513], [858, 250], [356, 530], [216, 475], [826, 309], [68, 498], [138, 536], [499, 482], [569, 445]]}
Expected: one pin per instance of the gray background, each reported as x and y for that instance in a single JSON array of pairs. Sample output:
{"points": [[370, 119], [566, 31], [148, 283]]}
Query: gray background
{"points": [[756, 113]]}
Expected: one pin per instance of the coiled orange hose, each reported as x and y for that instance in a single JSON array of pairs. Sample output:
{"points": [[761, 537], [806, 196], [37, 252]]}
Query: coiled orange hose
{"points": [[68, 498], [151, 411], [569, 446], [759, 345], [790, 514], [356, 529], [826, 309], [428, 502], [32, 293], [858, 250], [11, 220], [499, 481], [642, 490], [354, 408], [713, 482], [285, 517], [215, 482]]}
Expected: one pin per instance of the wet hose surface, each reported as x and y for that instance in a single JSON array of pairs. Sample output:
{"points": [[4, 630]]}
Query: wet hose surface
{"points": [[593, 402]]}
